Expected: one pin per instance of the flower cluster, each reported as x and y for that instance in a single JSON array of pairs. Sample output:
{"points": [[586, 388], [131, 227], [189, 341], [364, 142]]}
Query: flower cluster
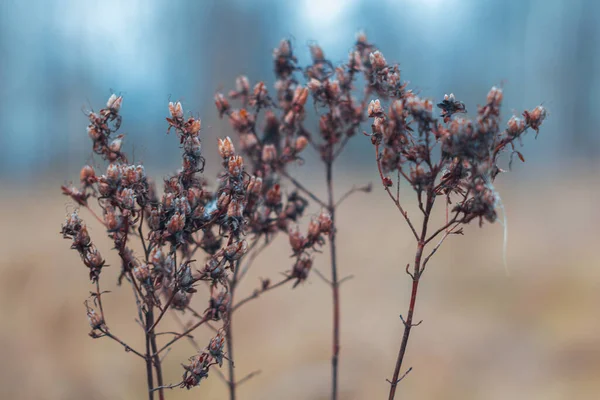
{"points": [[246, 205], [199, 364], [75, 229], [408, 135]]}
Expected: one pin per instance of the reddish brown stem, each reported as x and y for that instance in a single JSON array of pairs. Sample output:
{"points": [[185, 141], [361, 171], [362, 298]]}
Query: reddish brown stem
{"points": [[334, 283], [148, 357], [259, 292], [416, 276], [231, 380]]}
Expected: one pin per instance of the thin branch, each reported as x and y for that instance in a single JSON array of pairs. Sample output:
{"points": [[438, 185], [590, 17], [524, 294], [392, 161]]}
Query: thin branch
{"points": [[366, 188], [305, 190], [323, 277], [184, 334], [396, 201], [128, 348], [258, 292], [248, 377]]}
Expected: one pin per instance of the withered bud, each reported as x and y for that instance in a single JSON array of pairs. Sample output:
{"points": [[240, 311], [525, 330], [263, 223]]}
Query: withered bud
{"points": [[273, 197], [535, 117], [235, 251], [93, 133], [194, 126], [114, 103], [297, 240], [104, 186], [495, 96], [333, 88], [193, 195], [377, 60], [325, 222], [515, 126], [176, 110], [235, 209], [115, 145], [111, 219], [375, 109], [176, 223], [301, 269], [387, 181], [87, 176], [289, 117], [301, 143], [141, 272], [255, 185], [269, 153], [314, 230], [223, 200], [95, 319], [94, 259], [215, 348], [396, 109], [379, 125], [226, 148], [82, 238], [221, 103], [300, 96], [113, 173], [235, 165], [127, 198], [314, 85]]}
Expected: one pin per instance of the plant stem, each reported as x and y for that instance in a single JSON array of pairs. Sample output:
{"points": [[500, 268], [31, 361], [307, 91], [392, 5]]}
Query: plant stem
{"points": [[148, 357], [416, 275], [158, 367], [334, 283], [231, 379], [229, 332]]}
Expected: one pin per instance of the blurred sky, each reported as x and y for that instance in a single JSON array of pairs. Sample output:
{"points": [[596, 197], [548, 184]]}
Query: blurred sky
{"points": [[61, 57]]}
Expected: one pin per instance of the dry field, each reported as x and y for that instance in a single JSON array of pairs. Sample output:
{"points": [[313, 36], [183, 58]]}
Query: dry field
{"points": [[533, 335]]}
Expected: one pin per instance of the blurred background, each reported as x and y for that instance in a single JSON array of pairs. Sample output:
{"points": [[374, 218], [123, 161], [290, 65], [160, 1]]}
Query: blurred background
{"points": [[533, 335]]}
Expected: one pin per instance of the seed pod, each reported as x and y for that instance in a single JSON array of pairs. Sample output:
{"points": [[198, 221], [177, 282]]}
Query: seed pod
{"points": [[87, 176], [269, 153], [114, 103], [236, 165], [235, 251], [377, 60], [176, 110], [226, 148], [325, 222]]}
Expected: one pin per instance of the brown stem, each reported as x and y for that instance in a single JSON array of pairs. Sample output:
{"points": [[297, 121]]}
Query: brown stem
{"points": [[257, 293], [334, 283], [416, 275], [304, 189], [182, 335], [231, 380], [151, 338], [229, 331], [148, 357]]}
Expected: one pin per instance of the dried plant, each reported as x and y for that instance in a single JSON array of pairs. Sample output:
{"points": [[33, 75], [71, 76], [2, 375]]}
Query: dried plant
{"points": [[456, 160], [285, 132], [227, 224]]}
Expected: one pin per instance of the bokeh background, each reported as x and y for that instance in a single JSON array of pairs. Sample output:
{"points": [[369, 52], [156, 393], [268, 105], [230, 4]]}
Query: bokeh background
{"points": [[533, 335]]}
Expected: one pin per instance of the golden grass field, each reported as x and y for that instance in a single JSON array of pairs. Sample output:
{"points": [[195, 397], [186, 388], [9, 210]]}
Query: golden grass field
{"points": [[533, 335]]}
